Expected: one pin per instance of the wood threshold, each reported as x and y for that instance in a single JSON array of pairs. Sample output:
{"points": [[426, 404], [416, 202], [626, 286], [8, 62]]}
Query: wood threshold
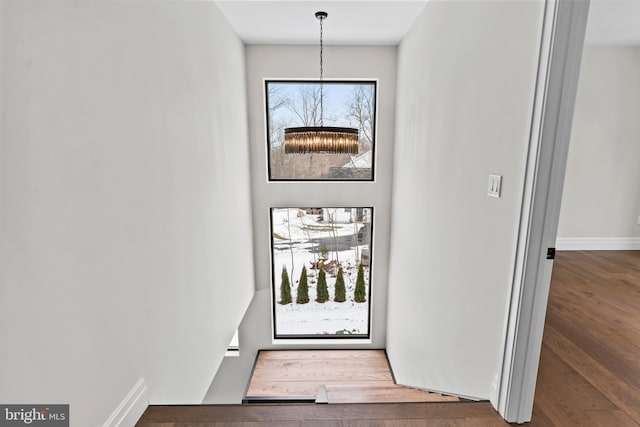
{"points": [[283, 415]]}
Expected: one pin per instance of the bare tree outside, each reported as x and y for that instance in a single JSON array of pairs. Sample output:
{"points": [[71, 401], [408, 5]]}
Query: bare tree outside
{"points": [[276, 126], [305, 106], [361, 113], [294, 104], [288, 221], [333, 233]]}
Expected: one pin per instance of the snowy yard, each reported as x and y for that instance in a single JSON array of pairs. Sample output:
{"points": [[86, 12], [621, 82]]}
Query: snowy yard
{"points": [[299, 239]]}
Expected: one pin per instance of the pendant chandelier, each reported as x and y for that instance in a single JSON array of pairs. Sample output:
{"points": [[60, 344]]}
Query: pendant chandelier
{"points": [[321, 139]]}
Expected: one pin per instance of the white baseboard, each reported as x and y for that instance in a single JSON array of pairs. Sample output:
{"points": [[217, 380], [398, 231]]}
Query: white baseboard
{"points": [[597, 243], [131, 408]]}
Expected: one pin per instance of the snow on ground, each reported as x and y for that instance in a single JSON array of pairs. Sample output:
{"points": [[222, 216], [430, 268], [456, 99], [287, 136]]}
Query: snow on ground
{"points": [[316, 318]]}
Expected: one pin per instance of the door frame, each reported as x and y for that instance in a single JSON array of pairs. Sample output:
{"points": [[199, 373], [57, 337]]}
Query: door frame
{"points": [[561, 49]]}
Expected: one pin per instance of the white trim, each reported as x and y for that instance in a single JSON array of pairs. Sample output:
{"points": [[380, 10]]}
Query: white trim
{"points": [[598, 243], [546, 164], [444, 393], [507, 382], [232, 353], [131, 408], [319, 342]]}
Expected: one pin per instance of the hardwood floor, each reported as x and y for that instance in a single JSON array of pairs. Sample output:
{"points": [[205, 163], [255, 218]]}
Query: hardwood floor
{"points": [[299, 373], [337, 376], [479, 414], [589, 371]]}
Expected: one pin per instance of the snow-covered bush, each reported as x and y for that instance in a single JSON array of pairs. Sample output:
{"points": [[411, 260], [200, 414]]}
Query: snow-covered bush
{"points": [[285, 288], [360, 294], [322, 293], [340, 290], [302, 296]]}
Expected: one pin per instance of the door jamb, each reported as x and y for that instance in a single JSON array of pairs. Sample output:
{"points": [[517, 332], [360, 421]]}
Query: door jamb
{"points": [[556, 86]]}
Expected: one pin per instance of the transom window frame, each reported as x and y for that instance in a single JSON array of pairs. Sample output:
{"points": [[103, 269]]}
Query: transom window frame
{"points": [[270, 129], [324, 338]]}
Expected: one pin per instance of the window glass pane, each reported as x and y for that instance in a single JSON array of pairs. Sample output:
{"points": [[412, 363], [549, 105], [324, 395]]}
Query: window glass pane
{"points": [[348, 104], [308, 243]]}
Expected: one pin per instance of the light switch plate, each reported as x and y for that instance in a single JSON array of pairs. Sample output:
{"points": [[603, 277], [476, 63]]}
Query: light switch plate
{"points": [[494, 186]]}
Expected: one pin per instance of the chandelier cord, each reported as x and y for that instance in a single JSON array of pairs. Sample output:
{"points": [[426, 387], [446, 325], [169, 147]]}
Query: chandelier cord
{"points": [[321, 82], [320, 139]]}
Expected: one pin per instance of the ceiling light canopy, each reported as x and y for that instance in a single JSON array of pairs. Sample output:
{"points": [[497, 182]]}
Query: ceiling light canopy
{"points": [[321, 139]]}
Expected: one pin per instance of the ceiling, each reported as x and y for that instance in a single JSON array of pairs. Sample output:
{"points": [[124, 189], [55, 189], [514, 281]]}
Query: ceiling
{"points": [[386, 22], [294, 22]]}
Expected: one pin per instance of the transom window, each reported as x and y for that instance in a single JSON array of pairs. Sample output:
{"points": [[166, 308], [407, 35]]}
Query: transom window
{"points": [[291, 104]]}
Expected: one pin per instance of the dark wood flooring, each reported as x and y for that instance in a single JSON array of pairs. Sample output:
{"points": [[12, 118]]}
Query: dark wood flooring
{"points": [[589, 371]]}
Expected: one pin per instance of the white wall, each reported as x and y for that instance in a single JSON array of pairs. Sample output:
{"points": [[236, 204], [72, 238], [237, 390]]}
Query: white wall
{"points": [[466, 75], [601, 196], [2, 29], [125, 222], [231, 380], [348, 62]]}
